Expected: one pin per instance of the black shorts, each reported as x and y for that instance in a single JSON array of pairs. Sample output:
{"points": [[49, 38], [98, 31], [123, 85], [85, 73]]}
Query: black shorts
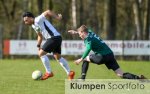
{"points": [[109, 60], [53, 45]]}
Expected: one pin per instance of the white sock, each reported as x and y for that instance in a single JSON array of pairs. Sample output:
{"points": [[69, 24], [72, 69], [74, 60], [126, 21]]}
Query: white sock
{"points": [[46, 63], [64, 64]]}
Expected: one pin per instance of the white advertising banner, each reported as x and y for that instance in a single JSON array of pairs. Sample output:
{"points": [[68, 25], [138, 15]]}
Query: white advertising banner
{"points": [[136, 47], [72, 47], [28, 47], [77, 47], [23, 47]]}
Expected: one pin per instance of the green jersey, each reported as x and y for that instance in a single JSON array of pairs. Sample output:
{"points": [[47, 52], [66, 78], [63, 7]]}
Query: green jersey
{"points": [[97, 45]]}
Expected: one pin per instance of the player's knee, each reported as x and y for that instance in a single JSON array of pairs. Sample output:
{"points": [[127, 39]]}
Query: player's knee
{"points": [[88, 59], [57, 56], [41, 53]]}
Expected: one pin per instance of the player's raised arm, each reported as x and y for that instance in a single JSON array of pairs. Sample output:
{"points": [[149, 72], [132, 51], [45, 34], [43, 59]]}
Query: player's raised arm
{"points": [[72, 32], [49, 13]]}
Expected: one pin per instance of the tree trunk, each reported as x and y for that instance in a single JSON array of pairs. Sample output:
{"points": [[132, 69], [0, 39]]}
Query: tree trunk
{"points": [[74, 19], [128, 23], [147, 21], [93, 19], [6, 10], [40, 6], [1, 42], [138, 20], [51, 8], [50, 4], [13, 11], [21, 25], [146, 26], [110, 19], [81, 12]]}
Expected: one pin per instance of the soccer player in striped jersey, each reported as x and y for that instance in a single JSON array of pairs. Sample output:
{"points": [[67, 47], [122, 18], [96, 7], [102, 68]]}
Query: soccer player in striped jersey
{"points": [[102, 54], [45, 29]]}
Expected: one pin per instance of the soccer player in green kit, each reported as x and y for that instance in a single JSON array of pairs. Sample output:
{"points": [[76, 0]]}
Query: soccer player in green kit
{"points": [[102, 54]]}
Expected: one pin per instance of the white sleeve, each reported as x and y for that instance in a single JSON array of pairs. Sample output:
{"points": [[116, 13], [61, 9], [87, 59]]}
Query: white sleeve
{"points": [[40, 18], [37, 21]]}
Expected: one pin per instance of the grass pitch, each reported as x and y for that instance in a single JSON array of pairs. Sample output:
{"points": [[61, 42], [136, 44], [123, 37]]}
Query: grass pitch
{"points": [[15, 75]]}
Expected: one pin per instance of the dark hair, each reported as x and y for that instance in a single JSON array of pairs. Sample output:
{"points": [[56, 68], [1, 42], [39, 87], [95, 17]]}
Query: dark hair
{"points": [[28, 14]]}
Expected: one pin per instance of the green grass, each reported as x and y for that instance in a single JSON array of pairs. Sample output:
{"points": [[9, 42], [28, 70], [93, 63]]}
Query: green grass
{"points": [[15, 75]]}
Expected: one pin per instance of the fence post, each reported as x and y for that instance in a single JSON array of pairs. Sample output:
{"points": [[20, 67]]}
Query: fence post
{"points": [[1, 42]]}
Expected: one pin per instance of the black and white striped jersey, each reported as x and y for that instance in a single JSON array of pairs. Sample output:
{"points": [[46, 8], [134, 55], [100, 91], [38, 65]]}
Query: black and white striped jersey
{"points": [[42, 25]]}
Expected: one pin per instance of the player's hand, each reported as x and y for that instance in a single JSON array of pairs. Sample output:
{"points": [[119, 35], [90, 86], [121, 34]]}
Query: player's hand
{"points": [[77, 62], [59, 16]]}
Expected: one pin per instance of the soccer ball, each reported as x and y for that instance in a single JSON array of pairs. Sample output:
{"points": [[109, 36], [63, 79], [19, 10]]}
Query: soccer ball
{"points": [[36, 75]]}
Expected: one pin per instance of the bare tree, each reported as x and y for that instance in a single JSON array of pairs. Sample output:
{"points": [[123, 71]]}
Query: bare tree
{"points": [[6, 9], [146, 26], [13, 11], [81, 12], [110, 19], [138, 20], [92, 15], [40, 6], [147, 21], [50, 4], [74, 19], [1, 42], [21, 26]]}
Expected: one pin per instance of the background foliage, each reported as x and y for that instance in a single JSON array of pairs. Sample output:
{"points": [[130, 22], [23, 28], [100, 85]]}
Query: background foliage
{"points": [[111, 19]]}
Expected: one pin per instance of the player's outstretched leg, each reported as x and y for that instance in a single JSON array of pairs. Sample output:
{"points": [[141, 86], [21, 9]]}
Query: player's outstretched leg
{"points": [[128, 75], [132, 76]]}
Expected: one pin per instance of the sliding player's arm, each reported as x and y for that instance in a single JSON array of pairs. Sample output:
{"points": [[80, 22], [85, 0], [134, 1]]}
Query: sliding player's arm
{"points": [[85, 54], [72, 32], [87, 51]]}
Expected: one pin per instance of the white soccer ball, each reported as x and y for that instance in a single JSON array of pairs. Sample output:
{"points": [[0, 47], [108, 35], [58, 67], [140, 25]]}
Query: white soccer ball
{"points": [[37, 75]]}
